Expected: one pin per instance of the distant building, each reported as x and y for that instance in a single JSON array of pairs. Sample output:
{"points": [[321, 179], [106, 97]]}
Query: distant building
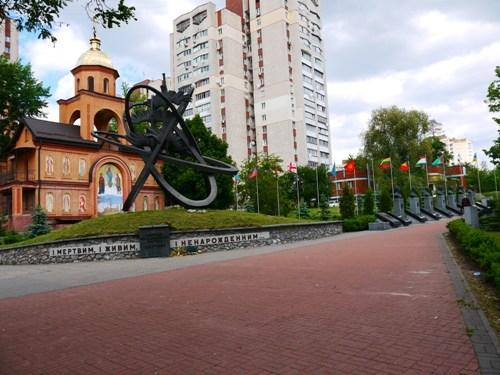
{"points": [[461, 149], [358, 182], [9, 40], [156, 84]]}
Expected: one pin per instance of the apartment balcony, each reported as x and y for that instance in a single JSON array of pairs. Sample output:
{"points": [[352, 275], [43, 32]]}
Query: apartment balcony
{"points": [[18, 176]]}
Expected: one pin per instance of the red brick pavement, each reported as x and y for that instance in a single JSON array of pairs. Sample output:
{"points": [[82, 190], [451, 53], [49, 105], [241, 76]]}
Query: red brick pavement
{"points": [[376, 304]]}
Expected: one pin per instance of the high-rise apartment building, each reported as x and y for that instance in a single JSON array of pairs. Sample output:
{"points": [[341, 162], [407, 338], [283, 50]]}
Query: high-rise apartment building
{"points": [[461, 149], [258, 68], [9, 40]]}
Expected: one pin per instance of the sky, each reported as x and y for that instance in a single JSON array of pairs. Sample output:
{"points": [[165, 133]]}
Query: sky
{"points": [[437, 56]]}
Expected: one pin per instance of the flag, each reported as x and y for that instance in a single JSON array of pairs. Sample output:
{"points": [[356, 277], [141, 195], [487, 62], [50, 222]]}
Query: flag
{"points": [[292, 167], [404, 167], [334, 170], [422, 161], [386, 163], [254, 173], [237, 178], [437, 162], [350, 165]]}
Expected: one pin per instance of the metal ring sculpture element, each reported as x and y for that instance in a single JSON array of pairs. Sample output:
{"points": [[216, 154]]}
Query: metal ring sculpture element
{"points": [[164, 133]]}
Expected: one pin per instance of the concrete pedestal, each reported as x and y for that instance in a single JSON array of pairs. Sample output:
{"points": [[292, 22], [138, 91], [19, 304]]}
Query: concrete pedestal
{"points": [[471, 216]]}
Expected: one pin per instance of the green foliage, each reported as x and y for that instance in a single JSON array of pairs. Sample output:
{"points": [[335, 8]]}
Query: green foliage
{"points": [[486, 176], [268, 167], [492, 222], [38, 224], [304, 211], [385, 201], [479, 246], [308, 177], [493, 101], [192, 183], [368, 203], [324, 208], [347, 204], [40, 16], [397, 133], [3, 222], [21, 95], [358, 223], [13, 237]]}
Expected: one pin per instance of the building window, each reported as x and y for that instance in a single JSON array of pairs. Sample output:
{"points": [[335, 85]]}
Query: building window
{"points": [[263, 105], [203, 95], [106, 85], [90, 83]]}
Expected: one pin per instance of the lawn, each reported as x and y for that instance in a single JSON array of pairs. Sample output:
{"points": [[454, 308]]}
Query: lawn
{"points": [[176, 218]]}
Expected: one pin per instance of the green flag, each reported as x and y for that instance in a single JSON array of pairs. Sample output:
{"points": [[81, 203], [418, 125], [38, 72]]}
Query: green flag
{"points": [[437, 162]]}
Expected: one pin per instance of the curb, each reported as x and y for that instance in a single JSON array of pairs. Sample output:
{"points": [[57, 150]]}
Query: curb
{"points": [[483, 338]]}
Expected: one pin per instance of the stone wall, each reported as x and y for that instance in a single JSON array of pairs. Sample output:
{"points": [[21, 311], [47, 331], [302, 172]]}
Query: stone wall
{"points": [[128, 246]]}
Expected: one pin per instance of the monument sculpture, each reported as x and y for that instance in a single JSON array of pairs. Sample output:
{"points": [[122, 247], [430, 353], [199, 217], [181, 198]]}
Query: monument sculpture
{"points": [[155, 130]]}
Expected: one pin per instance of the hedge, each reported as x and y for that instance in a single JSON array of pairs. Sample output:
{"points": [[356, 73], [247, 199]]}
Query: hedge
{"points": [[479, 246], [358, 223]]}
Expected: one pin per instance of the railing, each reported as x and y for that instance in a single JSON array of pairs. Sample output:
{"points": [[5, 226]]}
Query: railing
{"points": [[17, 176]]}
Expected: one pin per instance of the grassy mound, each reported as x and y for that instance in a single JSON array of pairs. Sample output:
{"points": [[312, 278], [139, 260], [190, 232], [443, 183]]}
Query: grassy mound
{"points": [[176, 218]]}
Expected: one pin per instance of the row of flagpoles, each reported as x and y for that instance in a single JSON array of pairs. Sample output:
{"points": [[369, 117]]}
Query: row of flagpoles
{"points": [[350, 166]]}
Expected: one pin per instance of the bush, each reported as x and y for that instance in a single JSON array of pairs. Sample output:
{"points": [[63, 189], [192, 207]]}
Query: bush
{"points": [[358, 223], [13, 237], [304, 211], [38, 223], [3, 221], [385, 201], [481, 247], [324, 212], [368, 203], [347, 204]]}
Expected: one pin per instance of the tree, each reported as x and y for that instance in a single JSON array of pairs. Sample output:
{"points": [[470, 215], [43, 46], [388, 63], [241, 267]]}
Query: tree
{"points": [[268, 168], [40, 16], [368, 203], [38, 224], [20, 95], [3, 221], [347, 204], [192, 183], [385, 201], [308, 177], [324, 212], [493, 101]]}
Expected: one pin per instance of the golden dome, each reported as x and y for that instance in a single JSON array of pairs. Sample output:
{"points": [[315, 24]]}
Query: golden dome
{"points": [[94, 56]]}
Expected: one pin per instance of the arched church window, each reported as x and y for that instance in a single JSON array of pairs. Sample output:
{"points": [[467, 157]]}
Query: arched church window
{"points": [[106, 85], [78, 84], [90, 83]]}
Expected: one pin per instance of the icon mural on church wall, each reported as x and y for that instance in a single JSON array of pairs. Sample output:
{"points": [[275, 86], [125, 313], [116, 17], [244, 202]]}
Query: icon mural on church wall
{"points": [[49, 165], [82, 203], [49, 202], [81, 167], [109, 190], [66, 166], [66, 203]]}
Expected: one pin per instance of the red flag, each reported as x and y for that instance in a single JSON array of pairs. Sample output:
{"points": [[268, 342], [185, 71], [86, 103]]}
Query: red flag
{"points": [[404, 167], [254, 173], [292, 167], [350, 166]]}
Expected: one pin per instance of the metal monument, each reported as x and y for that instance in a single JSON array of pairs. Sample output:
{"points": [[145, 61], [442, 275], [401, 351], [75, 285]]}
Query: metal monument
{"points": [[155, 130]]}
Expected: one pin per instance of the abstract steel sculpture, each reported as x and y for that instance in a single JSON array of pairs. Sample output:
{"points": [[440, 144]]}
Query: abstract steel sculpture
{"points": [[156, 131]]}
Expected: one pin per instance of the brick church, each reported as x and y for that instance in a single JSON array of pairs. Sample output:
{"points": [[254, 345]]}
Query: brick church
{"points": [[60, 166]]}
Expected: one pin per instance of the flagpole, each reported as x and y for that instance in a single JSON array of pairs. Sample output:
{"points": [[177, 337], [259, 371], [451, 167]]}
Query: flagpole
{"points": [[409, 172], [478, 178], [298, 194], [392, 180], [257, 184], [236, 185], [278, 192], [317, 187], [374, 187], [445, 180], [426, 171], [356, 190]]}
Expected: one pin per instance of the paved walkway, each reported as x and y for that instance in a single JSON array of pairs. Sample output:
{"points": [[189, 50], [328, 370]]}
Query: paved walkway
{"points": [[380, 303]]}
